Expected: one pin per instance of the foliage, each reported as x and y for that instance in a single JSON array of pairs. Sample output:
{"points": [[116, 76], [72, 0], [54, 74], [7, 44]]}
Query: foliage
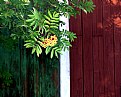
{"points": [[23, 66], [5, 79], [7, 42], [30, 75], [37, 22]]}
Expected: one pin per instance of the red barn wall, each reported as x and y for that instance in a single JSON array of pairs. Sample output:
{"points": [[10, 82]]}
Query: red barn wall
{"points": [[96, 53]]}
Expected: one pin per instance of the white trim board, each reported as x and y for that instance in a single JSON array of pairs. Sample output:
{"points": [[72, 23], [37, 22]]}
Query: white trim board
{"points": [[65, 66]]}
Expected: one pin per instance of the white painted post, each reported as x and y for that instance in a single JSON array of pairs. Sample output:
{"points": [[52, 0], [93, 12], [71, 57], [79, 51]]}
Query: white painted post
{"points": [[65, 69], [65, 66]]}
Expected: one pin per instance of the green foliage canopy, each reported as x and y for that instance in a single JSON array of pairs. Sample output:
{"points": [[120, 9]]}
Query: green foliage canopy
{"points": [[37, 23]]}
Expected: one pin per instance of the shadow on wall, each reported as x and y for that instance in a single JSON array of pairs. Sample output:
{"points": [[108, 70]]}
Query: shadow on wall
{"points": [[113, 18], [113, 2], [111, 21]]}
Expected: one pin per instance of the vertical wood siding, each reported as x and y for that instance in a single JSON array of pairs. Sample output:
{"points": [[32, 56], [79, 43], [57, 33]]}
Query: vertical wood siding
{"points": [[32, 76], [96, 53]]}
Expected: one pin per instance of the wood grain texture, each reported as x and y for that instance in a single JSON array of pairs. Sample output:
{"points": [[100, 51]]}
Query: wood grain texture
{"points": [[76, 24], [77, 77], [98, 66], [87, 55], [117, 45], [97, 54]]}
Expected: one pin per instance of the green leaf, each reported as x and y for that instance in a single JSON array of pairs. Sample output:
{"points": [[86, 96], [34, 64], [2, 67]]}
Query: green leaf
{"points": [[29, 20], [56, 15], [52, 53], [28, 45], [49, 13], [54, 27], [54, 24], [41, 38], [35, 26], [47, 22], [71, 36], [30, 41], [31, 16], [46, 17], [36, 14], [59, 50], [33, 50], [33, 23], [56, 54], [47, 50], [47, 26], [38, 50], [87, 6], [54, 21]]}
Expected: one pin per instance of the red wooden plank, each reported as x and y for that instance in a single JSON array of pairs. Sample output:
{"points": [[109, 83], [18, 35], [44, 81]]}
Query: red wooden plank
{"points": [[98, 49], [97, 18], [118, 63], [108, 52], [109, 67], [117, 40], [76, 25], [100, 58], [98, 66], [76, 69], [116, 19], [87, 55]]}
